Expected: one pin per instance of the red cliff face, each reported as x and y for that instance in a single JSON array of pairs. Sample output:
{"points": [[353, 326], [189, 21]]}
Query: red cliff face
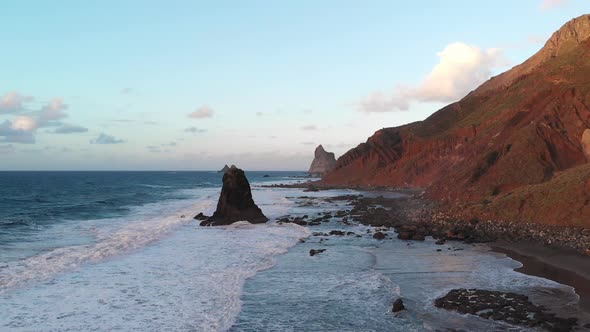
{"points": [[522, 136]]}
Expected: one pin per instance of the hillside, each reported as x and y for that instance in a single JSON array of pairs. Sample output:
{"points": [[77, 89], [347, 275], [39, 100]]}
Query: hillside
{"points": [[515, 148]]}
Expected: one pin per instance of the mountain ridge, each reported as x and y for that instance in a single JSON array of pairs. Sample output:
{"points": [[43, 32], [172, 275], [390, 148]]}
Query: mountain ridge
{"points": [[517, 131]]}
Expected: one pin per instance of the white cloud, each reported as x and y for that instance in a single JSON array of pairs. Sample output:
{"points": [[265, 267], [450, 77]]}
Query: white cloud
{"points": [[549, 4], [22, 130], [202, 112], [461, 68], [54, 110], [24, 123], [13, 102], [23, 127]]}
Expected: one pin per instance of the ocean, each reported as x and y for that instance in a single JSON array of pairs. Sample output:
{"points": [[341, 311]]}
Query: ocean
{"points": [[119, 251]]}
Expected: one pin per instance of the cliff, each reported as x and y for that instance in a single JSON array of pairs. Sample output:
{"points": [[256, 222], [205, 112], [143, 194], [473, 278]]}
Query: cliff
{"points": [[322, 162], [516, 148]]}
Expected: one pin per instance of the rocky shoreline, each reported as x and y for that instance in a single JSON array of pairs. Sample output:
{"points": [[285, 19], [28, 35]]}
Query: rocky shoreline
{"points": [[424, 217], [410, 217]]}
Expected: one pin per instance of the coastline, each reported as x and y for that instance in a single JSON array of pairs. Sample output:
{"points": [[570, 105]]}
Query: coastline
{"points": [[560, 265], [554, 253]]}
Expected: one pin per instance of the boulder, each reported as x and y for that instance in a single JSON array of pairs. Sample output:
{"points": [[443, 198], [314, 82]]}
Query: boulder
{"points": [[314, 252], [512, 308], [235, 202], [337, 233], [322, 163], [398, 305], [200, 216], [379, 236]]}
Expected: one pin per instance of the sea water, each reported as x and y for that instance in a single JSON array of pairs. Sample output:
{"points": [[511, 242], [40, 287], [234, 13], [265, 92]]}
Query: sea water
{"points": [[119, 251]]}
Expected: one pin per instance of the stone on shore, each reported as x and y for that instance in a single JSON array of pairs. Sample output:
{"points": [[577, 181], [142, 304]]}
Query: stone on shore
{"points": [[511, 308], [314, 252], [201, 217], [379, 236], [398, 305], [235, 202]]}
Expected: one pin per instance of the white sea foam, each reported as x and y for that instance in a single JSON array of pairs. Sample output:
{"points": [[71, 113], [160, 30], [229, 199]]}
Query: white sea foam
{"points": [[147, 273], [138, 230]]}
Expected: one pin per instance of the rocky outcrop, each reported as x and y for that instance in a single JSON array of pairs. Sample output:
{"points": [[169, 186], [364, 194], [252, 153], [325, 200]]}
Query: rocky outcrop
{"points": [[512, 308], [398, 305], [514, 139], [224, 169], [322, 162], [235, 202]]}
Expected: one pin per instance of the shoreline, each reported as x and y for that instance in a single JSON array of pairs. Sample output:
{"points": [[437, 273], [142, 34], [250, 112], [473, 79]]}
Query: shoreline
{"points": [[551, 252], [563, 266]]}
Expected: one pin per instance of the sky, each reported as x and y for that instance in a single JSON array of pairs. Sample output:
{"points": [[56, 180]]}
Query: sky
{"points": [[194, 85]]}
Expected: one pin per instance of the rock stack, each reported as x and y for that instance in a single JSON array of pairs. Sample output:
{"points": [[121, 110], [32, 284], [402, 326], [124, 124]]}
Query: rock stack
{"points": [[235, 202], [322, 163]]}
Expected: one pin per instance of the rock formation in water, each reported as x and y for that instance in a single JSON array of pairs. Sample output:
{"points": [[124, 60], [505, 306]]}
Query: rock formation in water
{"points": [[235, 202], [224, 169], [322, 162], [516, 148]]}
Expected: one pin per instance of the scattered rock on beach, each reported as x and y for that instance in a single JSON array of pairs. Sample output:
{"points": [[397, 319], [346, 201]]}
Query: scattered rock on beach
{"points": [[379, 236], [398, 305], [314, 252], [200, 216], [511, 308], [337, 233]]}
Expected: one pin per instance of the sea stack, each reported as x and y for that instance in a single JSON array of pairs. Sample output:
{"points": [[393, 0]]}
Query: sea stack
{"points": [[235, 202], [322, 163], [224, 169]]}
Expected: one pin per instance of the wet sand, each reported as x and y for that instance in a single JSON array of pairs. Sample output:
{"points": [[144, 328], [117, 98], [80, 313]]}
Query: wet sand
{"points": [[563, 266]]}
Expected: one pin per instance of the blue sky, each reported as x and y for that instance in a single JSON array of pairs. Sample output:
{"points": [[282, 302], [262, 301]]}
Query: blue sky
{"points": [[194, 85]]}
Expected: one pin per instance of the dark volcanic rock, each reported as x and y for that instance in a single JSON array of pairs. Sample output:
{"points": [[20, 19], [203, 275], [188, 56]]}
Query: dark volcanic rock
{"points": [[337, 233], [398, 305], [404, 235], [235, 202], [379, 236], [311, 189], [200, 216], [314, 252], [511, 308]]}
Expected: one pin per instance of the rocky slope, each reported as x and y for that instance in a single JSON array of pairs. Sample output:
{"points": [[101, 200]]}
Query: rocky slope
{"points": [[516, 148], [322, 162]]}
